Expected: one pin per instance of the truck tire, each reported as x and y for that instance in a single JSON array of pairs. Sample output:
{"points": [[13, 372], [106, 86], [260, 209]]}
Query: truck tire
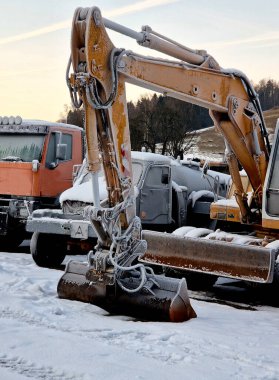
{"points": [[48, 250]]}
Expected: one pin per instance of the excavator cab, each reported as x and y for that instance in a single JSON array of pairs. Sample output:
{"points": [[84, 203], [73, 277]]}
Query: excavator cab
{"points": [[271, 186]]}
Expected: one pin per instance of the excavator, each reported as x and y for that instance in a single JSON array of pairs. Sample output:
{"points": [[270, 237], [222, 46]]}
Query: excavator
{"points": [[118, 274]]}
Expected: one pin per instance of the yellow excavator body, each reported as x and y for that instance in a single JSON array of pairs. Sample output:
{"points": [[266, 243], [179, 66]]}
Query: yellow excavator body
{"points": [[116, 275]]}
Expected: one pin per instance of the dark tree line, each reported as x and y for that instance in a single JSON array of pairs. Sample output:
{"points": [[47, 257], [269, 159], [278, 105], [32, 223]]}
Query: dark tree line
{"points": [[268, 91], [76, 117], [166, 125]]}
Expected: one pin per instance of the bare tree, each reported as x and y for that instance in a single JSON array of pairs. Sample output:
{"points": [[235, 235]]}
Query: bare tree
{"points": [[72, 116], [165, 124], [136, 130], [76, 117]]}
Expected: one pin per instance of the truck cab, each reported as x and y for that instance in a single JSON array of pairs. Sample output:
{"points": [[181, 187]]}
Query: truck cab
{"points": [[36, 163]]}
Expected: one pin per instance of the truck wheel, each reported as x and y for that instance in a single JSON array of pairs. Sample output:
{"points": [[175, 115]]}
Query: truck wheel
{"points": [[48, 250]]}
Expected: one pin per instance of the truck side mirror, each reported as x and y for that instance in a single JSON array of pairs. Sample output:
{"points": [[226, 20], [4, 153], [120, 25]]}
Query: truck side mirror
{"points": [[61, 151], [35, 166]]}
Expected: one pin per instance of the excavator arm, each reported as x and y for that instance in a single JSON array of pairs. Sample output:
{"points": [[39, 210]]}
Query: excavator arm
{"points": [[197, 78], [113, 278]]}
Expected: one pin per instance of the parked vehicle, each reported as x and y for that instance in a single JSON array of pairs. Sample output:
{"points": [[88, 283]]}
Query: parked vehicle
{"points": [[36, 164], [169, 194]]}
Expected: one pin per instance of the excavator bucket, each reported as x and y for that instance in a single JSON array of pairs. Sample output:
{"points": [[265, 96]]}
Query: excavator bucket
{"points": [[169, 300]]}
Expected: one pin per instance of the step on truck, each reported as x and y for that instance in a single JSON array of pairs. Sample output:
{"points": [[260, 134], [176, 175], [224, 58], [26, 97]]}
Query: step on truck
{"points": [[36, 165]]}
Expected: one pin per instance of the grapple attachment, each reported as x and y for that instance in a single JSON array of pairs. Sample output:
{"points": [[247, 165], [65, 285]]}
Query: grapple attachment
{"points": [[168, 300]]}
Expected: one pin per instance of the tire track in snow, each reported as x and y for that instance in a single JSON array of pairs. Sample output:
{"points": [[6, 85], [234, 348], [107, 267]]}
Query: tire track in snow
{"points": [[32, 370], [145, 344], [142, 343], [139, 342], [22, 316]]}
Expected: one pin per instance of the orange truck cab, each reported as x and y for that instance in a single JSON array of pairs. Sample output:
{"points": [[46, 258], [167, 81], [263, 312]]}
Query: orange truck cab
{"points": [[36, 165]]}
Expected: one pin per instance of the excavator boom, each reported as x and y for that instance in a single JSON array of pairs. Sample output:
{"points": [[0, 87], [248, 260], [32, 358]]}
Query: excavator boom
{"points": [[197, 78]]}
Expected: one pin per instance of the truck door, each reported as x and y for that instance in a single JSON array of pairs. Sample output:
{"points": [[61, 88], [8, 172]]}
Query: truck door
{"points": [[155, 196], [57, 174]]}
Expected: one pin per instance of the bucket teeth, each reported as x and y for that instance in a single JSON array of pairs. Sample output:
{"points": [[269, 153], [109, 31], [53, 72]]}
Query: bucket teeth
{"points": [[167, 301]]}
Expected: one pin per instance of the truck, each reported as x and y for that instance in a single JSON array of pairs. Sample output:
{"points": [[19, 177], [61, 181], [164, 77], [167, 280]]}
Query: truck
{"points": [[169, 194], [36, 164]]}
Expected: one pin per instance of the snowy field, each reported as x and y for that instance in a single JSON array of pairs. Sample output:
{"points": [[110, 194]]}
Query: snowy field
{"points": [[43, 337]]}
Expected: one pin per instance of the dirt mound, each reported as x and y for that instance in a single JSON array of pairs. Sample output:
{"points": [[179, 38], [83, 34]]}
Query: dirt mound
{"points": [[210, 144]]}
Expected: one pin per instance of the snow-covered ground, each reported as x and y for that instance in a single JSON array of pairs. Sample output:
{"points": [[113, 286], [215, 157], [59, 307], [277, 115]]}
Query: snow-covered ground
{"points": [[43, 337]]}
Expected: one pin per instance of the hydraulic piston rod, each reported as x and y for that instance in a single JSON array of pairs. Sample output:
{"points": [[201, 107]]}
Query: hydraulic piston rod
{"points": [[161, 44]]}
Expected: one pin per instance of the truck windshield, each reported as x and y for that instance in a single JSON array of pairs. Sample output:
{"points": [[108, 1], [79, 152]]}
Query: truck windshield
{"points": [[15, 147]]}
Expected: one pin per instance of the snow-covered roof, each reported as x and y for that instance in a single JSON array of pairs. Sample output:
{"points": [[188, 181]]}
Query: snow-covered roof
{"points": [[48, 123], [231, 202], [154, 157]]}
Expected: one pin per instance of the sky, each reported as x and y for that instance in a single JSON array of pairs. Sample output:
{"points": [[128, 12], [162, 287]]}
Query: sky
{"points": [[35, 43]]}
